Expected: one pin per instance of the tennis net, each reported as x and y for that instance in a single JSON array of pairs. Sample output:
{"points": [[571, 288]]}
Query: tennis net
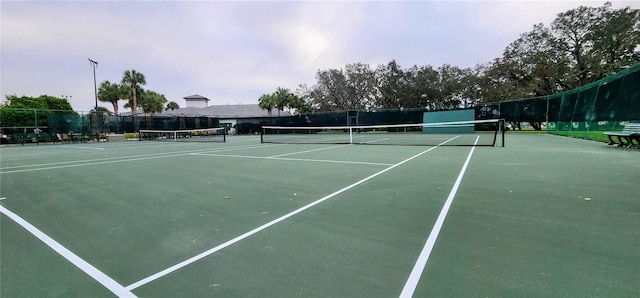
{"points": [[191, 135], [459, 133]]}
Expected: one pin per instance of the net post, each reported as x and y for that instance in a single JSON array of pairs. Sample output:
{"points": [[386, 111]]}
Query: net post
{"points": [[139, 136], [502, 127], [262, 135], [495, 134], [350, 135]]}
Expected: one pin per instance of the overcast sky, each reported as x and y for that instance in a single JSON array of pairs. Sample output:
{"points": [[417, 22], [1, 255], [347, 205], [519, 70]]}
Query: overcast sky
{"points": [[233, 52]]}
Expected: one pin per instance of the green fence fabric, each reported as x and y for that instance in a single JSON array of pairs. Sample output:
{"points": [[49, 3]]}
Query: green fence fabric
{"points": [[585, 112], [606, 105], [26, 125]]}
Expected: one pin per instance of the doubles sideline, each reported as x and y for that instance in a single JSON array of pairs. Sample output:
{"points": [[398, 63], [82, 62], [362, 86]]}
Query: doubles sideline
{"points": [[108, 160]]}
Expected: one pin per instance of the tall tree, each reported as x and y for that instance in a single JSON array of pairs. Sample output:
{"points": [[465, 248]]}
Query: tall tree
{"points": [[581, 45], [32, 111], [423, 87], [299, 105], [134, 79], [450, 87], [305, 94], [598, 40], [331, 91], [282, 98], [267, 102], [393, 87], [152, 102], [172, 105], [530, 66], [112, 93], [361, 86], [616, 39]]}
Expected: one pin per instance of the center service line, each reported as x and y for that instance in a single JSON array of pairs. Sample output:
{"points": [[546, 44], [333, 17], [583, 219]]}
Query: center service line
{"points": [[267, 225], [414, 277]]}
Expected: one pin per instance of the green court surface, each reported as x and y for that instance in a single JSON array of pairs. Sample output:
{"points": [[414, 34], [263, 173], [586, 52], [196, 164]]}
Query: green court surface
{"points": [[543, 216]]}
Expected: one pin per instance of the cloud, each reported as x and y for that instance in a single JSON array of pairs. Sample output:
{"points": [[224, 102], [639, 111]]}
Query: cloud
{"points": [[234, 51]]}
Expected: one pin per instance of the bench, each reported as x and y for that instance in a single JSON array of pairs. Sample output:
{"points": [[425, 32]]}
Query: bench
{"points": [[115, 138], [630, 132], [78, 137]]}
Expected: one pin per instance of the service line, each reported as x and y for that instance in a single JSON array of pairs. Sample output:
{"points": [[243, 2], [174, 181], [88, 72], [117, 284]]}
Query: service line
{"points": [[294, 159], [307, 151]]}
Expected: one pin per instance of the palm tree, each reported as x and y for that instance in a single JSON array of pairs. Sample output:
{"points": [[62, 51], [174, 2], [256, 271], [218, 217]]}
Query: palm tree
{"points": [[133, 78], [267, 102], [172, 105], [109, 92], [283, 98], [152, 102]]}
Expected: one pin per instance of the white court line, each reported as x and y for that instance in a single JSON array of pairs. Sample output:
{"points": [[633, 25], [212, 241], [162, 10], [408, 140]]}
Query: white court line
{"points": [[414, 277], [307, 151], [78, 147], [91, 162], [136, 156], [294, 159], [377, 140], [39, 151], [96, 274], [265, 226]]}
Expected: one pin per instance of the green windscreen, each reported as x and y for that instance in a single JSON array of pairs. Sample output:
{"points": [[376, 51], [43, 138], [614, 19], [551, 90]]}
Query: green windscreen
{"points": [[449, 116], [606, 105], [585, 112]]}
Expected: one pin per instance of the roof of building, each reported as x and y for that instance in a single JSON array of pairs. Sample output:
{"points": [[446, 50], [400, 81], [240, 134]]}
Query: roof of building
{"points": [[196, 97], [224, 111]]}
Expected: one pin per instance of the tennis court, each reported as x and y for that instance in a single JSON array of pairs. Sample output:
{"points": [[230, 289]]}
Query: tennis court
{"points": [[543, 216]]}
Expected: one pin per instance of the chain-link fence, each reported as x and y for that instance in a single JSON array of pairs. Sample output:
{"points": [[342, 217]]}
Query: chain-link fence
{"points": [[21, 126], [585, 112]]}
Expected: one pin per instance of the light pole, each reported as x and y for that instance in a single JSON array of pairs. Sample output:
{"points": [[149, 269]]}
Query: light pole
{"points": [[94, 65]]}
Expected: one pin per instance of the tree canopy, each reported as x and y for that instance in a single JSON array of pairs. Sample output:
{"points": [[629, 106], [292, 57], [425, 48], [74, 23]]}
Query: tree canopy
{"points": [[31, 111], [280, 99], [112, 93], [152, 102], [130, 89], [580, 46], [172, 105]]}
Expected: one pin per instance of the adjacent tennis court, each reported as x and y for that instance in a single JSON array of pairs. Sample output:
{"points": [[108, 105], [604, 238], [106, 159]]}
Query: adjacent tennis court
{"points": [[543, 216]]}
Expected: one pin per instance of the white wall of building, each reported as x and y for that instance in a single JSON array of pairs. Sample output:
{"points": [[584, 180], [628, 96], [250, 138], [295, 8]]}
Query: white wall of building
{"points": [[196, 103]]}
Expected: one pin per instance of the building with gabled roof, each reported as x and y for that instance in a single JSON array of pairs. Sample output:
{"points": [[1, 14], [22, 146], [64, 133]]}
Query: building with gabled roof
{"points": [[196, 100]]}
